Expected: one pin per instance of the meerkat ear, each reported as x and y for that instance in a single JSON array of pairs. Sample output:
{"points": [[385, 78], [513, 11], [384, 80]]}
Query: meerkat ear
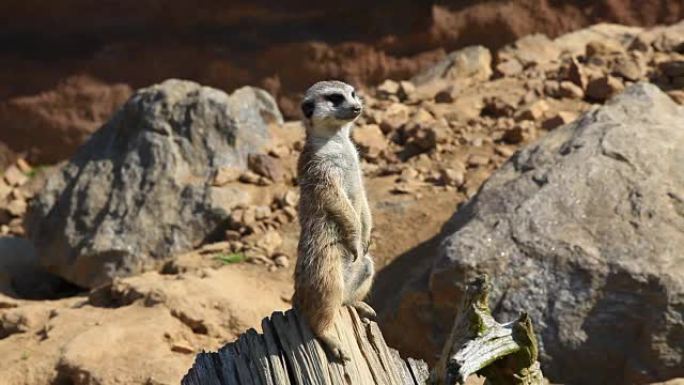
{"points": [[308, 107]]}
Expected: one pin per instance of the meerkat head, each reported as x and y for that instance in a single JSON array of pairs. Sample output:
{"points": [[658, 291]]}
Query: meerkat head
{"points": [[330, 105]]}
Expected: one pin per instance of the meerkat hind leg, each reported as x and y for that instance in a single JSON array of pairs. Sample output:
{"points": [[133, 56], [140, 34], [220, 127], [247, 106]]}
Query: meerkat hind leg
{"points": [[365, 280], [320, 299]]}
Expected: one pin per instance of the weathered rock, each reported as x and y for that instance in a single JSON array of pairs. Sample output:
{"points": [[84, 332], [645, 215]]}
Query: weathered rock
{"points": [[468, 64], [142, 187], [584, 231]]}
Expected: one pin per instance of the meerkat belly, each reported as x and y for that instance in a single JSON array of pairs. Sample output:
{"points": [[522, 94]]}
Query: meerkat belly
{"points": [[353, 184]]}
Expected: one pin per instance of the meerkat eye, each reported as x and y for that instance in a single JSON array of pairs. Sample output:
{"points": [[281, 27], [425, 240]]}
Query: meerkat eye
{"points": [[354, 94], [335, 99]]}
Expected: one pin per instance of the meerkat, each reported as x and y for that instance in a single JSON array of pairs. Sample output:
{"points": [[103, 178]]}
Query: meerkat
{"points": [[333, 265]]}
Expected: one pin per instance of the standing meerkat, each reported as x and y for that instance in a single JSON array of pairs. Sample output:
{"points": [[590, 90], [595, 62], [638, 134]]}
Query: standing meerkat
{"points": [[333, 265]]}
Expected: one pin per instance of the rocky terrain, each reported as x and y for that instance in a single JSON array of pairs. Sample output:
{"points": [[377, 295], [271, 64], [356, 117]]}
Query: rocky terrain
{"points": [[173, 227]]}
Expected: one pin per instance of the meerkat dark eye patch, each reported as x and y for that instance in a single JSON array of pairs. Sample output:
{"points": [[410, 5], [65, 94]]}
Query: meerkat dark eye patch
{"points": [[308, 108], [335, 99]]}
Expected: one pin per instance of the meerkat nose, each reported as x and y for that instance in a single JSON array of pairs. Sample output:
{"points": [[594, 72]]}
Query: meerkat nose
{"points": [[356, 109]]}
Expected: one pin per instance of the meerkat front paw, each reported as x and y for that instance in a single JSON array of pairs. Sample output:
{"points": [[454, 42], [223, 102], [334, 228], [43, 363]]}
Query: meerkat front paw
{"points": [[364, 310], [355, 246]]}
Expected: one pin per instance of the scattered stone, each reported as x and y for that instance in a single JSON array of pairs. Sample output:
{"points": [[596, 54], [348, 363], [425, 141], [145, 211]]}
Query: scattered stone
{"points": [[509, 67], [5, 189], [558, 119], [513, 135], [603, 88], [452, 177], [269, 242], [14, 177], [17, 207], [505, 152], [496, 107], [604, 47], [232, 236], [534, 49], [674, 68], [533, 111], [476, 160], [23, 166], [395, 116], [410, 187], [406, 89], [266, 166], [445, 95], [184, 348], [468, 64], [677, 96], [627, 68], [214, 248], [250, 177], [225, 175], [370, 140], [281, 260], [289, 198], [570, 90], [426, 138], [576, 74], [387, 88]]}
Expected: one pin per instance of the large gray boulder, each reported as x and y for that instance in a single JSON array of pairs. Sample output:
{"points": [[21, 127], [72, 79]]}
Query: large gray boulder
{"points": [[140, 189], [584, 230]]}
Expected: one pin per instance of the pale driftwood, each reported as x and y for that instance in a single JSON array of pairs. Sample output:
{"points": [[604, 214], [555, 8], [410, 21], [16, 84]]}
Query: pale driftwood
{"points": [[286, 353], [506, 354]]}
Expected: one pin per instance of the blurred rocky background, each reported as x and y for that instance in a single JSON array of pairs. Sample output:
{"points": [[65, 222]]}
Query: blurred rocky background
{"points": [[68, 65], [148, 195]]}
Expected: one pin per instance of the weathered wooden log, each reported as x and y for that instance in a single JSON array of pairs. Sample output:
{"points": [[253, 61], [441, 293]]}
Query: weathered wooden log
{"points": [[286, 353], [505, 354]]}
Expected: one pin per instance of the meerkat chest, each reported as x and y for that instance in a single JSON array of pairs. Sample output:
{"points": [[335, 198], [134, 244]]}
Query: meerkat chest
{"points": [[346, 159], [353, 183]]}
